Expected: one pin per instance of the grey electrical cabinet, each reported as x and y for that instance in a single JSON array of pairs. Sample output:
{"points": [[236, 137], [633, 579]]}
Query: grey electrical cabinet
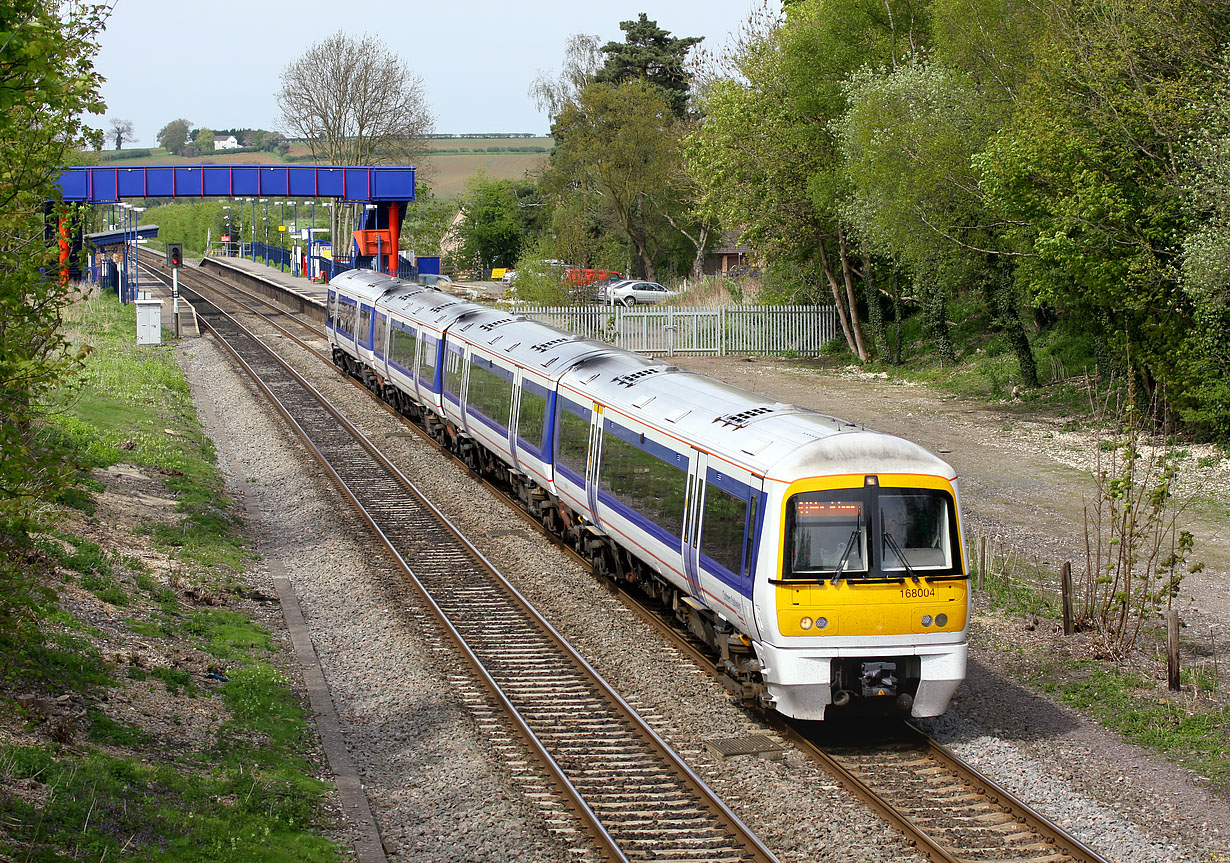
{"points": [[149, 322]]}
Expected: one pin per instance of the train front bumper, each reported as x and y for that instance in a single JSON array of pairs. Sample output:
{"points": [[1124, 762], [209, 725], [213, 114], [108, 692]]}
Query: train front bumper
{"points": [[800, 680]]}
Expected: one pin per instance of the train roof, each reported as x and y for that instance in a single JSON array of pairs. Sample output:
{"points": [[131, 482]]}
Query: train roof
{"points": [[371, 285], [767, 437], [540, 348], [773, 439]]}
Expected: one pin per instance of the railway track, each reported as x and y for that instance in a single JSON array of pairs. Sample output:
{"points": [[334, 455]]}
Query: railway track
{"points": [[945, 808], [636, 797]]}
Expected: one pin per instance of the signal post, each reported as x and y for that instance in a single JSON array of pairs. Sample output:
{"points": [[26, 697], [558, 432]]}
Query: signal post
{"points": [[175, 259]]}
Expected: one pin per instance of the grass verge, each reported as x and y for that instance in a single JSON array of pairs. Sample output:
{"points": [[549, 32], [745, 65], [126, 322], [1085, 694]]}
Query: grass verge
{"points": [[143, 712]]}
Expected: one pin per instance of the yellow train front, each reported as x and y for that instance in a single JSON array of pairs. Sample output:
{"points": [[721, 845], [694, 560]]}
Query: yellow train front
{"points": [[862, 600]]}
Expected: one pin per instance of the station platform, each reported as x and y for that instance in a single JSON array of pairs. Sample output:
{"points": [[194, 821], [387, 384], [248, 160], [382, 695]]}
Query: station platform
{"points": [[314, 292]]}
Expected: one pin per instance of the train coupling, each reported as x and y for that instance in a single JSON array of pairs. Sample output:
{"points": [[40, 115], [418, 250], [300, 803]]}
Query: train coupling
{"points": [[879, 678]]}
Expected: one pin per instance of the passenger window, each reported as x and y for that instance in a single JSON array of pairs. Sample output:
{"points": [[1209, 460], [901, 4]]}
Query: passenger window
{"points": [[427, 362], [642, 481], [489, 392], [722, 533], [573, 436], [533, 418]]}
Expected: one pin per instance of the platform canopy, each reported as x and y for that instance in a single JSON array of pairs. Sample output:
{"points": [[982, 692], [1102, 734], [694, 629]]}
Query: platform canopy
{"points": [[120, 236], [348, 184]]}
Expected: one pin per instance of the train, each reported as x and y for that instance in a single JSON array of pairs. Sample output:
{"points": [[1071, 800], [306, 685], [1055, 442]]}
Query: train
{"points": [[820, 561]]}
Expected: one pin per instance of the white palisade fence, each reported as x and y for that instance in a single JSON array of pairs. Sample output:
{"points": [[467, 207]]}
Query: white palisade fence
{"points": [[715, 330]]}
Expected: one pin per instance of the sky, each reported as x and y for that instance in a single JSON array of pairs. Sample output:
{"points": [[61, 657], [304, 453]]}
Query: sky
{"points": [[218, 64]]}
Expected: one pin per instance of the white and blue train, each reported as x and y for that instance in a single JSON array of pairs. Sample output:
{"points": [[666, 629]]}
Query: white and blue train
{"points": [[822, 562]]}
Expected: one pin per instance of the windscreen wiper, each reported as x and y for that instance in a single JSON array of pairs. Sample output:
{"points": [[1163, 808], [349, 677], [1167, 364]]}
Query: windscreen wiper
{"points": [[892, 543], [845, 556]]}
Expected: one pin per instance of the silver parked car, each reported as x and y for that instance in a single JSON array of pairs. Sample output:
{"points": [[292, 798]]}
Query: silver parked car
{"points": [[632, 291]]}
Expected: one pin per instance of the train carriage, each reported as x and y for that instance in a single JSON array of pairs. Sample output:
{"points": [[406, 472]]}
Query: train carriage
{"points": [[822, 561]]}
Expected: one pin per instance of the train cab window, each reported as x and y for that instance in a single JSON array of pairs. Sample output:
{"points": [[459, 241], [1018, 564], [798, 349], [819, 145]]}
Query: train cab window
{"points": [[914, 531], [826, 534]]}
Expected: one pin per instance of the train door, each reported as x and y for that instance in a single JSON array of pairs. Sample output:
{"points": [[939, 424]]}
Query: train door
{"points": [[595, 459], [514, 418], [693, 506]]}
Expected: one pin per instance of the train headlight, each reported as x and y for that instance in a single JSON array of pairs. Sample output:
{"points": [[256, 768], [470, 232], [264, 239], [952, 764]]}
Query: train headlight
{"points": [[941, 620], [926, 620], [806, 623], [821, 622]]}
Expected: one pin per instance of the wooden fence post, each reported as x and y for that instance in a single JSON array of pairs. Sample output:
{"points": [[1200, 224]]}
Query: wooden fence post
{"points": [[982, 559], [1172, 649], [1065, 586]]}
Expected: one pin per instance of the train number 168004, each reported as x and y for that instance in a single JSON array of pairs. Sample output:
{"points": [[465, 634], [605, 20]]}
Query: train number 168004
{"points": [[917, 592]]}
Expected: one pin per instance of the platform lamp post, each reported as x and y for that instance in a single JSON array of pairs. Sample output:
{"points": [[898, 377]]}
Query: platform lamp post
{"points": [[276, 204], [294, 264], [282, 232], [265, 218], [252, 227], [227, 209], [136, 251], [123, 227], [307, 270]]}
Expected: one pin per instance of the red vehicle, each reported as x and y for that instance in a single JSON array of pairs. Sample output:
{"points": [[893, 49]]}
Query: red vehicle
{"points": [[579, 278]]}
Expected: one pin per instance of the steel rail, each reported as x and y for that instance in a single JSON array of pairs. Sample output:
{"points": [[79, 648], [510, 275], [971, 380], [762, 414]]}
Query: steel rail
{"points": [[723, 814], [915, 834]]}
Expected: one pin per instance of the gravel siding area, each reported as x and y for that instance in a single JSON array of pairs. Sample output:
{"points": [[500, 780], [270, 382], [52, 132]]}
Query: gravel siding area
{"points": [[444, 780]]}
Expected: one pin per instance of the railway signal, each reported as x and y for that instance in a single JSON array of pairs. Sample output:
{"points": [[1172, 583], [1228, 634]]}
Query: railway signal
{"points": [[175, 254]]}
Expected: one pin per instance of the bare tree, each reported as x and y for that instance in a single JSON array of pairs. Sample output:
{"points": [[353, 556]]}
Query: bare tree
{"points": [[122, 132], [582, 59], [355, 102]]}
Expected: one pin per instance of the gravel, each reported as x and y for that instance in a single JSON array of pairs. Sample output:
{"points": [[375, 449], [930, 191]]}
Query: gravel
{"points": [[447, 783]]}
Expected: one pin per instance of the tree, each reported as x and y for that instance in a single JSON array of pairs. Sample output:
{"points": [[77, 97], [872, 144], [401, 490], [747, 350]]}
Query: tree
{"points": [[907, 140], [355, 102], [620, 142], [173, 137], [581, 60], [766, 152], [1205, 271], [491, 233], [204, 141], [651, 54], [121, 131], [47, 85], [1089, 171]]}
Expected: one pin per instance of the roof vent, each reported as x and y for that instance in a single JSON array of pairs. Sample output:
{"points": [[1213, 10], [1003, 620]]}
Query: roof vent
{"points": [[743, 418], [543, 347], [491, 325], [632, 377]]}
